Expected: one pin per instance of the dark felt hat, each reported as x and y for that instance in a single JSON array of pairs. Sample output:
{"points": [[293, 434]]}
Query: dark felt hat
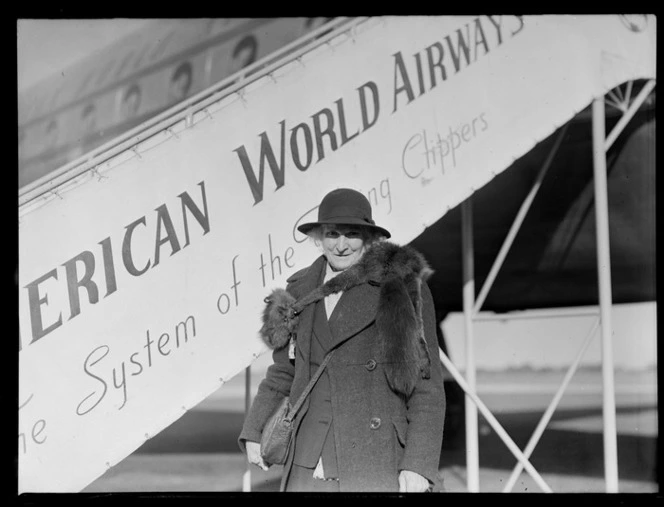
{"points": [[344, 206]]}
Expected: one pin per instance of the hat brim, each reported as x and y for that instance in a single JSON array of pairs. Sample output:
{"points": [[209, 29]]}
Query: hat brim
{"points": [[306, 228]]}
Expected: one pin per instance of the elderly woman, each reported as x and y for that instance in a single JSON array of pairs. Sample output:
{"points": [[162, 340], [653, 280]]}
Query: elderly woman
{"points": [[374, 419]]}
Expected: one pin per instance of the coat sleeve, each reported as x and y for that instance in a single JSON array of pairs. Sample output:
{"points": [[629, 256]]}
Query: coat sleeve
{"points": [[272, 389], [426, 406]]}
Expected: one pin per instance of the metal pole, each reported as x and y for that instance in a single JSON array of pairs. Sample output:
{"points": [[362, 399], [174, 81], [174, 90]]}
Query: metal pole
{"points": [[631, 111], [605, 298], [535, 314], [472, 445], [530, 447], [246, 477], [494, 423], [516, 225]]}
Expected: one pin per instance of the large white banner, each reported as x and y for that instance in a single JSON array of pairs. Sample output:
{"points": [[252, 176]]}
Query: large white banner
{"points": [[141, 283]]}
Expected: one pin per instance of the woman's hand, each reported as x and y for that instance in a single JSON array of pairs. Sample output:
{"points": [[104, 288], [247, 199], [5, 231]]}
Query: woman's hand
{"points": [[254, 455], [411, 482]]}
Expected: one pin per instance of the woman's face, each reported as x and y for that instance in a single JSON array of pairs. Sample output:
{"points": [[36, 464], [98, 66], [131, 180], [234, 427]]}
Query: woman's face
{"points": [[343, 245]]}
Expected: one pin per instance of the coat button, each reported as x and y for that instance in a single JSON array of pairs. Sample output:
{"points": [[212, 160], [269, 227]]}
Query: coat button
{"points": [[371, 365], [375, 423]]}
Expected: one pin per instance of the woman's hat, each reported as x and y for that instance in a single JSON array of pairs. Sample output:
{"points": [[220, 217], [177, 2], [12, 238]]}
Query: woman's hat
{"points": [[344, 206]]}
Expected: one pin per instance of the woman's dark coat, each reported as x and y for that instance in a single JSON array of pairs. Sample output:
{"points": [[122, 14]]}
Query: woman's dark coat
{"points": [[377, 432]]}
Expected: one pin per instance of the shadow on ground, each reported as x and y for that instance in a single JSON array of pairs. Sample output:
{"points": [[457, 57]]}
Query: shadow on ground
{"points": [[565, 452], [198, 431]]}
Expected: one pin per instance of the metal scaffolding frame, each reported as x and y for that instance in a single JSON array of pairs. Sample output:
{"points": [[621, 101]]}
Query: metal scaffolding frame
{"points": [[471, 306]]}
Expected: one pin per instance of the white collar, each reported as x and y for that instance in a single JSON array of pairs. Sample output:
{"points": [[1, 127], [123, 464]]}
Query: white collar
{"points": [[330, 273]]}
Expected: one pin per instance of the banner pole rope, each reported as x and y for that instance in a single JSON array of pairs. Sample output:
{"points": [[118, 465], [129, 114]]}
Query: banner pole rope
{"points": [[246, 477]]}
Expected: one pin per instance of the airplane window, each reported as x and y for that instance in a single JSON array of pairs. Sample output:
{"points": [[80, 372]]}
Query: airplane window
{"points": [[131, 102], [89, 119], [52, 134], [180, 82], [244, 53]]}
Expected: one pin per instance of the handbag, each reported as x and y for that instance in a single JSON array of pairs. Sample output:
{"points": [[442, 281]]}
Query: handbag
{"points": [[278, 431]]}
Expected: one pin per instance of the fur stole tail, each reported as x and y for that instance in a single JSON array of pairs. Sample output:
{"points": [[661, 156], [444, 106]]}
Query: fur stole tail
{"points": [[396, 319], [279, 319], [400, 271]]}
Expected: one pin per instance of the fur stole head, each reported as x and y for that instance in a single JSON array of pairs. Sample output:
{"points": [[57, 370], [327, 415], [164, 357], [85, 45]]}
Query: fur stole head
{"points": [[400, 272]]}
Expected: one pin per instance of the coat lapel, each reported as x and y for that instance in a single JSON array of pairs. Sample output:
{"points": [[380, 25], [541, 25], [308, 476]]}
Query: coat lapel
{"points": [[355, 310], [321, 326], [299, 287]]}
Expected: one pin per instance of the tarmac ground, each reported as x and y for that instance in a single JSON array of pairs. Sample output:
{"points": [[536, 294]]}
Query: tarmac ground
{"points": [[199, 452]]}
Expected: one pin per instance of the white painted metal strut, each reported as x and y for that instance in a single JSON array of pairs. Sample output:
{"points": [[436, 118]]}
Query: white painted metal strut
{"points": [[629, 113], [471, 308], [535, 314], [601, 144], [605, 297], [548, 413], [516, 225], [494, 423], [468, 261]]}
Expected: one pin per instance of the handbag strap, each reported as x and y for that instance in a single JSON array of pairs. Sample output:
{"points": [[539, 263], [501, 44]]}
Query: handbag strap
{"points": [[310, 385]]}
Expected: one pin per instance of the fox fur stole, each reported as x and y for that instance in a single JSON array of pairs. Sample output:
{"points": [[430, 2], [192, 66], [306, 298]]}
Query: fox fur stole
{"points": [[400, 272]]}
